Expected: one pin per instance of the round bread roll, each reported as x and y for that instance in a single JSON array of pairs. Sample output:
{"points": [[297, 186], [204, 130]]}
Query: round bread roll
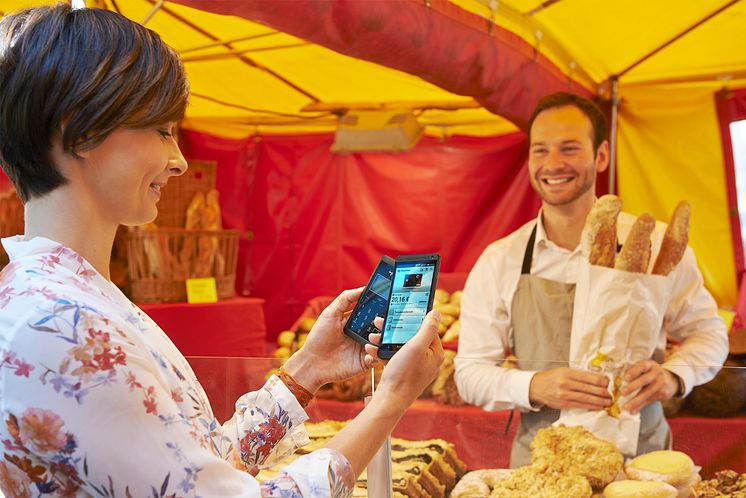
{"points": [[672, 467], [640, 489]]}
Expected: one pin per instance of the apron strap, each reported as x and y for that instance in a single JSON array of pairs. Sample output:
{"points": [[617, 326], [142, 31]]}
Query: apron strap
{"points": [[528, 256]]}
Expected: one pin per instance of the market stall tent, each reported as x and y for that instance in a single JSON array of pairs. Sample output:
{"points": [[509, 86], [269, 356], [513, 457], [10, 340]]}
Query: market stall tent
{"points": [[269, 82]]}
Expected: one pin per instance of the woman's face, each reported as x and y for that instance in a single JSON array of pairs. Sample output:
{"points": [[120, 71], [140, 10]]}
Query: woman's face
{"points": [[125, 173]]}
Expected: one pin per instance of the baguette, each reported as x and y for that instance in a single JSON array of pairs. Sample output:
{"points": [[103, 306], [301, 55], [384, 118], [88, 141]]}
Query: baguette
{"points": [[599, 233], [675, 240], [635, 254]]}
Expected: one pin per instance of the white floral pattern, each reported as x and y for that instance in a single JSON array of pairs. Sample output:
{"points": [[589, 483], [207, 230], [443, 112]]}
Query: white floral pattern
{"points": [[97, 401]]}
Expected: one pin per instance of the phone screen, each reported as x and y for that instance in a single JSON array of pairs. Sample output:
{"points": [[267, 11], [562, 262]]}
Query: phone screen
{"points": [[373, 301], [410, 300]]}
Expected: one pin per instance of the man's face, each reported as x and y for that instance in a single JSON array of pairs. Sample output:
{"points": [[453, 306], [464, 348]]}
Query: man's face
{"points": [[561, 163]]}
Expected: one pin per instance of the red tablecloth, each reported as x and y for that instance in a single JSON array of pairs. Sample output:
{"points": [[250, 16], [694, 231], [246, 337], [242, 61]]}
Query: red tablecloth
{"points": [[233, 327]]}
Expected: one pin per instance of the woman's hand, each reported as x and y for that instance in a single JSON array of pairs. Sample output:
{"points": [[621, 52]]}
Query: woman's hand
{"points": [[414, 366], [328, 355]]}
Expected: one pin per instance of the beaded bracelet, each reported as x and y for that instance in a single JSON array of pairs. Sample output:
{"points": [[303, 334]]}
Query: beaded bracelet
{"points": [[302, 394]]}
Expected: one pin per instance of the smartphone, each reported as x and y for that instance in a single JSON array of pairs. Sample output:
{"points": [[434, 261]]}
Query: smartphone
{"points": [[372, 302], [410, 299]]}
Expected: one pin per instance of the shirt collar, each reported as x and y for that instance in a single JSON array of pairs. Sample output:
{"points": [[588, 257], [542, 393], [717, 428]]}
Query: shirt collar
{"points": [[542, 241], [49, 255]]}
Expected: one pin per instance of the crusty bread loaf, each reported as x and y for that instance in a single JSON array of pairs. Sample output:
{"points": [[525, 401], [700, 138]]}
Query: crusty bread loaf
{"points": [[674, 240], [635, 254], [673, 467], [640, 489], [599, 233]]}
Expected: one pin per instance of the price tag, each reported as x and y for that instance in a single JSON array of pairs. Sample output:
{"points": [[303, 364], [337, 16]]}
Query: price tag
{"points": [[201, 290]]}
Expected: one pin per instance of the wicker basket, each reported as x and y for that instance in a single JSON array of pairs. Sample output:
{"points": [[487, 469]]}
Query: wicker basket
{"points": [[160, 261], [176, 196]]}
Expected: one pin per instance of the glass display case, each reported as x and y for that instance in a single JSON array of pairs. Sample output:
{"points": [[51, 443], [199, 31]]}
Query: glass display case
{"points": [[482, 439]]}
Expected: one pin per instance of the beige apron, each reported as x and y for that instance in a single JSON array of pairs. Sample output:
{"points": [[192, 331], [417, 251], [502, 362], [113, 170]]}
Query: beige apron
{"points": [[541, 320]]}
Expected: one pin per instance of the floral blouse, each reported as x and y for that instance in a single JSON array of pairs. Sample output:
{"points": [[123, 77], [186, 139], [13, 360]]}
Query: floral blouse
{"points": [[96, 400]]}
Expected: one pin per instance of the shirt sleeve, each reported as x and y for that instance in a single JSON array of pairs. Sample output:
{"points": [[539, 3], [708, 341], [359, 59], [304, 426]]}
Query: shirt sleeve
{"points": [[99, 412], [484, 340], [693, 320]]}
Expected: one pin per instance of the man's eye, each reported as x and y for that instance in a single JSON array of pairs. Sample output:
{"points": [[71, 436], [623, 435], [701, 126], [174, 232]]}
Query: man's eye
{"points": [[569, 150], [538, 151]]}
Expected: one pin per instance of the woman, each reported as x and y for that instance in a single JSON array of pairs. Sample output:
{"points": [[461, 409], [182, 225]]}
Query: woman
{"points": [[96, 400]]}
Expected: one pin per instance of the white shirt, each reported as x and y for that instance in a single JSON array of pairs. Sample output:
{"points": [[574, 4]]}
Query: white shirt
{"points": [[96, 400], [486, 330]]}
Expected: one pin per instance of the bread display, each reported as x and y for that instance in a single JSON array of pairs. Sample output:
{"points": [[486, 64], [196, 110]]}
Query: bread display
{"points": [[635, 254], [639, 489], [599, 233], [443, 388], [675, 240], [449, 306], [672, 467]]}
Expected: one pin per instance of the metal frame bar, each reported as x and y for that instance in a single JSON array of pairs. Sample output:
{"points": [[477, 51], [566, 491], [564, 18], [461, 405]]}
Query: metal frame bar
{"points": [[152, 12], [242, 58], [677, 37]]}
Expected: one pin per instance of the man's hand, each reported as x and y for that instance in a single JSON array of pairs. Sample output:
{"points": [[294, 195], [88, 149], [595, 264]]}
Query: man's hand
{"points": [[653, 381], [568, 388], [328, 355]]}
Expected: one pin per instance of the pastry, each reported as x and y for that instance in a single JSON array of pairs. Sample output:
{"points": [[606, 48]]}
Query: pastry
{"points": [[673, 467], [639, 489], [576, 451], [726, 484], [531, 481]]}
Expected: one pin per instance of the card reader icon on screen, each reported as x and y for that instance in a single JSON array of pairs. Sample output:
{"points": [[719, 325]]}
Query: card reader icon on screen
{"points": [[413, 280]]}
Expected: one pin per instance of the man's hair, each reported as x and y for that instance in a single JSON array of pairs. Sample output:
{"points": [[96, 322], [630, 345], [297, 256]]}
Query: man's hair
{"points": [[78, 75], [562, 99]]}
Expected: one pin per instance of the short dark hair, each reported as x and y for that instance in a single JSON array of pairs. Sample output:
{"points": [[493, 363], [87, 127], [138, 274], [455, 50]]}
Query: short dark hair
{"points": [[78, 74], [587, 107]]}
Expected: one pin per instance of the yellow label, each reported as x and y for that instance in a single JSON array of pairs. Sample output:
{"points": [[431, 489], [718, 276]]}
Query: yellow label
{"points": [[599, 360], [201, 290]]}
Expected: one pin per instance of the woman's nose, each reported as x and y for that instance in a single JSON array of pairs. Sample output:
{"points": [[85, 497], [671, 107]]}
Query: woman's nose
{"points": [[177, 165]]}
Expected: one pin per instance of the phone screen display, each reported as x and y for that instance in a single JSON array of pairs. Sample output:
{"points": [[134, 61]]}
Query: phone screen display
{"points": [[373, 302], [409, 301]]}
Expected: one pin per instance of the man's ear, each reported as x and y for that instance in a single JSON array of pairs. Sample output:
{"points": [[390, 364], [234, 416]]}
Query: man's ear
{"points": [[602, 157]]}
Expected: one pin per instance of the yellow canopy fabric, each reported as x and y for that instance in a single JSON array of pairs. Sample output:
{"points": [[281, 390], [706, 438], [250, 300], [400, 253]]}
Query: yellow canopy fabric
{"points": [[669, 57]]}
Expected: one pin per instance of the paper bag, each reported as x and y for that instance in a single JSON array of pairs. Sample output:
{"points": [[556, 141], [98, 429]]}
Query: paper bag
{"points": [[617, 318]]}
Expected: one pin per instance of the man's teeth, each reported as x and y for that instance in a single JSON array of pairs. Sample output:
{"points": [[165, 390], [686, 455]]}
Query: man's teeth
{"points": [[155, 187], [556, 181]]}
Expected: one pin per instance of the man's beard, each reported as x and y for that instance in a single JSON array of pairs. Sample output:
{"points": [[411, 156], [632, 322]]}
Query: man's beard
{"points": [[537, 185]]}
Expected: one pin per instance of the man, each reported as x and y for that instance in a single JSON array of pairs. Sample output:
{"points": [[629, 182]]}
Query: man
{"points": [[519, 298]]}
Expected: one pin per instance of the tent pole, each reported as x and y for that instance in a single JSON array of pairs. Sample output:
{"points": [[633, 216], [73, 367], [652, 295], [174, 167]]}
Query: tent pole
{"points": [[612, 135], [152, 12]]}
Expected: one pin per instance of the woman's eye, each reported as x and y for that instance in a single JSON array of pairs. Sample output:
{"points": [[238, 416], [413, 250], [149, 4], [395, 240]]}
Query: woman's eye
{"points": [[165, 133]]}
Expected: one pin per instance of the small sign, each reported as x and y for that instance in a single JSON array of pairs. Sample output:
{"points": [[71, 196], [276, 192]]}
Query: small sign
{"points": [[201, 290]]}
